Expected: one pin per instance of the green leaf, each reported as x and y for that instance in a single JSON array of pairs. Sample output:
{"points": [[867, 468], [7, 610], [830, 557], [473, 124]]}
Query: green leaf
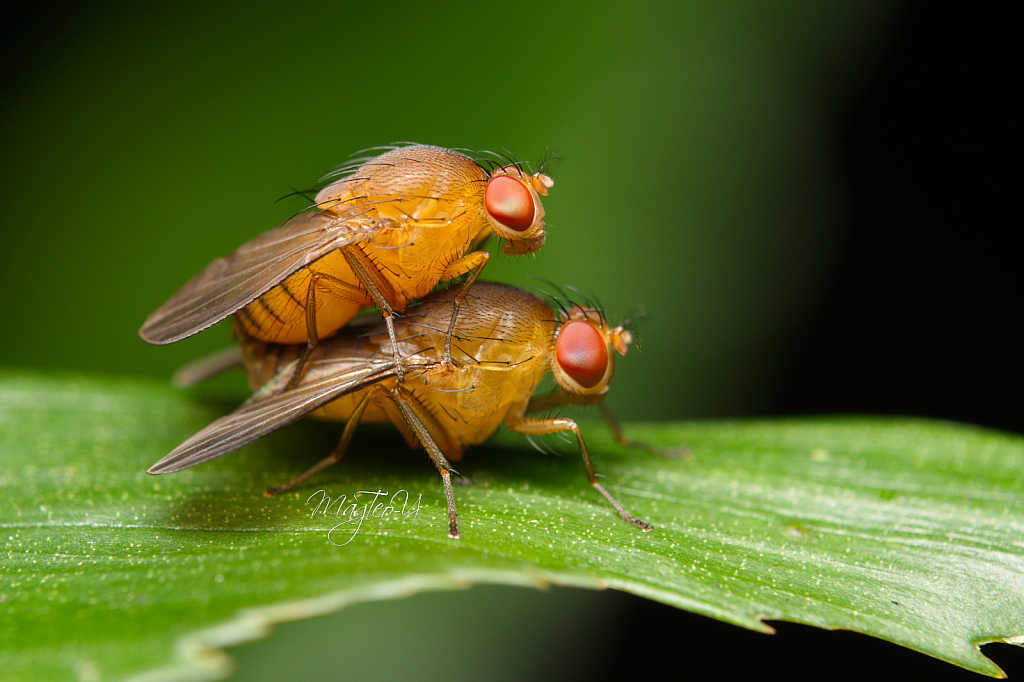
{"points": [[910, 531]]}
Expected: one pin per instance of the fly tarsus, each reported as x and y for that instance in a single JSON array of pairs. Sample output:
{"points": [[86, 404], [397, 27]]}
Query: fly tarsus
{"points": [[539, 427], [642, 525]]}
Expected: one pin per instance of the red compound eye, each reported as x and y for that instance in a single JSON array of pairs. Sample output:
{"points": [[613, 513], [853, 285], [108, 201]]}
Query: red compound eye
{"points": [[509, 202], [582, 353]]}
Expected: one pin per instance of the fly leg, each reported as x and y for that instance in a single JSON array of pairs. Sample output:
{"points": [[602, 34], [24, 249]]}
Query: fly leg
{"points": [[539, 427], [380, 291], [620, 438], [330, 284], [473, 263], [400, 396], [560, 397], [335, 456]]}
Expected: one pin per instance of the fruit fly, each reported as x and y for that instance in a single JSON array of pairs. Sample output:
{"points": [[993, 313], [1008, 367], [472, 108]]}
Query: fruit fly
{"points": [[506, 340], [384, 233]]}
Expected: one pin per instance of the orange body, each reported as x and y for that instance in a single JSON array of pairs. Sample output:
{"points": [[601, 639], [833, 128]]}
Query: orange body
{"points": [[385, 233], [504, 341]]}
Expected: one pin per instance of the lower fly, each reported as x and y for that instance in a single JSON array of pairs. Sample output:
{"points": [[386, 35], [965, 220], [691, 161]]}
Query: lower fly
{"points": [[504, 341]]}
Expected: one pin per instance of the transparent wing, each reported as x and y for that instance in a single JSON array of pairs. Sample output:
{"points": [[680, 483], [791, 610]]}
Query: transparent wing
{"points": [[253, 420], [229, 284]]}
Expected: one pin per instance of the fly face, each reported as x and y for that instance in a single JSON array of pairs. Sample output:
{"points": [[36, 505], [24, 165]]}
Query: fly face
{"points": [[583, 361], [514, 209]]}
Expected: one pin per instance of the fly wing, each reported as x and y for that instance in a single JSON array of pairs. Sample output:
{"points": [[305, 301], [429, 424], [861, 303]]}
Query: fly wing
{"points": [[229, 284], [253, 420]]}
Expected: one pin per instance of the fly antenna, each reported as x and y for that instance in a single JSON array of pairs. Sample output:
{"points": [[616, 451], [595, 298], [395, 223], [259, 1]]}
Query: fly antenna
{"points": [[634, 318], [547, 159]]}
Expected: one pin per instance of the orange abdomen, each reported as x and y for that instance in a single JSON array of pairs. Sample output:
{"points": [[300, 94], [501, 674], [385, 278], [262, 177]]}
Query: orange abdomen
{"points": [[279, 316]]}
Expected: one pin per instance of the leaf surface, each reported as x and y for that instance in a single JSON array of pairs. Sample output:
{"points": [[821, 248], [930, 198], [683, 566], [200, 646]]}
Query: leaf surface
{"points": [[910, 531]]}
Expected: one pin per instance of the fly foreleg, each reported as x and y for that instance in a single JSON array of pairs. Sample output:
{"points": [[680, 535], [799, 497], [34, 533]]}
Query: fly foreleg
{"points": [[539, 427], [560, 397], [472, 263]]}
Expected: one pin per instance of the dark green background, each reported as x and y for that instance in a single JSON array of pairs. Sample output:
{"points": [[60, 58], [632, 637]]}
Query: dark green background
{"points": [[792, 190], [697, 178]]}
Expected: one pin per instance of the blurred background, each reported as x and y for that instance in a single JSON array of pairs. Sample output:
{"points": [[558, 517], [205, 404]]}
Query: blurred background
{"points": [[806, 197]]}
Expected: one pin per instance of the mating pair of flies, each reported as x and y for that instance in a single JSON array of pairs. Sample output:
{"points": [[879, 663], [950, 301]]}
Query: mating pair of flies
{"points": [[446, 370]]}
